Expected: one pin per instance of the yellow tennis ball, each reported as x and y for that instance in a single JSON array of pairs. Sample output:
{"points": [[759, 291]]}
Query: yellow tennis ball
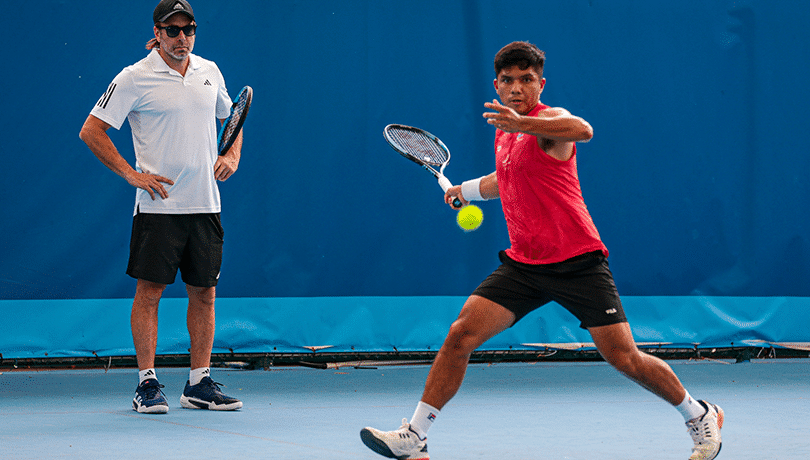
{"points": [[470, 217]]}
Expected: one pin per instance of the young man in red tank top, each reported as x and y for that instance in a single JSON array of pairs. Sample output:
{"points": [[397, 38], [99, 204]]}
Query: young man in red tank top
{"points": [[556, 254]]}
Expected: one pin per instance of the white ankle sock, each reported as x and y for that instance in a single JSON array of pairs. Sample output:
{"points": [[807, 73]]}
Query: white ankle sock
{"points": [[423, 418], [195, 375], [146, 374], [690, 409]]}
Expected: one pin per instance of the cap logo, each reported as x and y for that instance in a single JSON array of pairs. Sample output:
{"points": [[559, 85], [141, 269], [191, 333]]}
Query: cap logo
{"points": [[167, 8]]}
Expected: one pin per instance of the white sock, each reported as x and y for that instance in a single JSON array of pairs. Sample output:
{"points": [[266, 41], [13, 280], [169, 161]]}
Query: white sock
{"points": [[690, 409], [195, 375], [423, 418], [146, 374]]}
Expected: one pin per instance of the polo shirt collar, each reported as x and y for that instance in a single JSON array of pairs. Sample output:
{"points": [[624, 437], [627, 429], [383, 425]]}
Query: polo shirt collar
{"points": [[159, 65]]}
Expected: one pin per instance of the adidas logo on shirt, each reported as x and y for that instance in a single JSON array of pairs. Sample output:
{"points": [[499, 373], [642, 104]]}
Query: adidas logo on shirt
{"points": [[207, 83]]}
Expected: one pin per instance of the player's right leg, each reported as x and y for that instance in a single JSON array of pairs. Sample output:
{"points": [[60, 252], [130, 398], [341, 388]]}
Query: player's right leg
{"points": [[479, 321], [144, 321], [149, 397]]}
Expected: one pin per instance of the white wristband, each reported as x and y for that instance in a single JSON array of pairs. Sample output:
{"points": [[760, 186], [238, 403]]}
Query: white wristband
{"points": [[471, 190]]}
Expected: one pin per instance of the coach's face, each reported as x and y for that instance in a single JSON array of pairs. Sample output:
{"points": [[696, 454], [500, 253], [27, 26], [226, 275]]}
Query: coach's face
{"points": [[179, 47]]}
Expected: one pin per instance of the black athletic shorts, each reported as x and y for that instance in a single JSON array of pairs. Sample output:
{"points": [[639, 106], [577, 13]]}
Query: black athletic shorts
{"points": [[163, 243], [583, 285]]}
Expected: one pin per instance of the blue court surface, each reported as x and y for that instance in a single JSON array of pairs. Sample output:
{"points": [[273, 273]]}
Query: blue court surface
{"points": [[577, 411]]}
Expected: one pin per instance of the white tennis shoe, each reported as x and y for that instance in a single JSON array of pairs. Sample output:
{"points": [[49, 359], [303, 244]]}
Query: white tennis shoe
{"points": [[705, 431], [402, 444]]}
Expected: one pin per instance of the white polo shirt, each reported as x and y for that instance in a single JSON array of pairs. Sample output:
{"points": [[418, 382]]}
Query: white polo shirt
{"points": [[174, 128]]}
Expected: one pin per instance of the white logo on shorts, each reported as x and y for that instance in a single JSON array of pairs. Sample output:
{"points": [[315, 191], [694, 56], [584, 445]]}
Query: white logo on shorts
{"points": [[611, 311]]}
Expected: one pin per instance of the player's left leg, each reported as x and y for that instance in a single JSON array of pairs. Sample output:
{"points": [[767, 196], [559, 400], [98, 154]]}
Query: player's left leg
{"points": [[201, 392], [616, 344]]}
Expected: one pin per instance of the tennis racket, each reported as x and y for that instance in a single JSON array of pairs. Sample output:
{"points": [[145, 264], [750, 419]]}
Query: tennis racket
{"points": [[233, 124], [422, 148]]}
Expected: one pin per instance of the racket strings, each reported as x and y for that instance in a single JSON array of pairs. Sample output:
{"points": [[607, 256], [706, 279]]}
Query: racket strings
{"points": [[233, 120], [420, 146]]}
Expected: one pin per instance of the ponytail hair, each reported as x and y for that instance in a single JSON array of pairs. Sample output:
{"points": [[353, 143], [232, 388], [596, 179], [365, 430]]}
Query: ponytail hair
{"points": [[152, 44]]}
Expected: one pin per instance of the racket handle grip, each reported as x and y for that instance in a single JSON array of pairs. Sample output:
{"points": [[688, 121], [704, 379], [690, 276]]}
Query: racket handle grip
{"points": [[445, 184]]}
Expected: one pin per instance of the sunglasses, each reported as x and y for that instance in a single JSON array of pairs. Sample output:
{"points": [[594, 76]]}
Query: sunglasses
{"points": [[173, 31]]}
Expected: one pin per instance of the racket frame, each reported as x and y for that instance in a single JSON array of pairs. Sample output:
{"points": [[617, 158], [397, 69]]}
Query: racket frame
{"points": [[444, 182], [223, 145]]}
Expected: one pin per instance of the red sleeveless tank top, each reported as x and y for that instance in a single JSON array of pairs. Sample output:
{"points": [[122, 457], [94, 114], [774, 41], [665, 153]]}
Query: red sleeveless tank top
{"points": [[546, 215]]}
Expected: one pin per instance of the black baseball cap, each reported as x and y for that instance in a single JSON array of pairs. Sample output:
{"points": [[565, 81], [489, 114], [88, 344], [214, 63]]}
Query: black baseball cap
{"points": [[167, 8]]}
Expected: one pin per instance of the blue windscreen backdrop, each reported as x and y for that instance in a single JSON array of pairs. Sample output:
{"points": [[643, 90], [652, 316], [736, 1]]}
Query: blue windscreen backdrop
{"points": [[697, 175]]}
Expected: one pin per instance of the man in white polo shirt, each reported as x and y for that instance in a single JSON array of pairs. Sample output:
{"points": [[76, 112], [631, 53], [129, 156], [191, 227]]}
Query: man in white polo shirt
{"points": [[171, 99]]}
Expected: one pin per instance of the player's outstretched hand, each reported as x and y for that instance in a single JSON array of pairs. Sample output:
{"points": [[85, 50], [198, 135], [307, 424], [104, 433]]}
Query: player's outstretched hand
{"points": [[503, 117]]}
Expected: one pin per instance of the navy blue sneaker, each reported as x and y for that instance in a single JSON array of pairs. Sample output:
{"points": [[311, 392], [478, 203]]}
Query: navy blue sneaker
{"points": [[206, 395], [149, 398]]}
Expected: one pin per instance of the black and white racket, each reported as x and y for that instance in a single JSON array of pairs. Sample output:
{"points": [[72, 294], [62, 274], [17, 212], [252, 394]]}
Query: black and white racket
{"points": [[233, 124], [422, 148]]}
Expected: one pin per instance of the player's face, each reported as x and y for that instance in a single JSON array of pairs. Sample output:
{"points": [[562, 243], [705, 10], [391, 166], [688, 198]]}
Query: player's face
{"points": [[179, 47], [519, 89]]}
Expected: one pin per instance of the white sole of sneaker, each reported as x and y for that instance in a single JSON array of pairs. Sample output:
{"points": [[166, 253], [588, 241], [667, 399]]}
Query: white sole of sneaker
{"points": [[159, 409], [194, 403], [378, 446], [375, 444]]}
